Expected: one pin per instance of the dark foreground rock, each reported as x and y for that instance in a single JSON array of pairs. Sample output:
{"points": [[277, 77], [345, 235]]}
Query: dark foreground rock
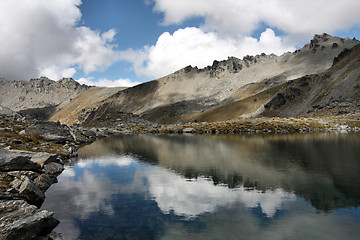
{"points": [[24, 178], [20, 220], [27, 175], [12, 161]]}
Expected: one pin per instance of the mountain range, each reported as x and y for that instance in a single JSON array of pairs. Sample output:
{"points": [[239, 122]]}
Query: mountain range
{"points": [[322, 79]]}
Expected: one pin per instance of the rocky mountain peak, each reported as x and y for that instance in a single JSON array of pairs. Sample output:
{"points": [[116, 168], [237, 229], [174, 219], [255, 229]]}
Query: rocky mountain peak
{"points": [[232, 65], [321, 37], [41, 79], [68, 81], [323, 41]]}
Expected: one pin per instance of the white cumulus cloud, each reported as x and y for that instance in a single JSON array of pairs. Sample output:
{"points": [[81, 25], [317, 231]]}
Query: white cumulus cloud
{"points": [[40, 37], [104, 82], [301, 18]]}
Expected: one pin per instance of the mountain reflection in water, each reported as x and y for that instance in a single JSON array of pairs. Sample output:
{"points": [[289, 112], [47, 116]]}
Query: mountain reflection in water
{"points": [[211, 187]]}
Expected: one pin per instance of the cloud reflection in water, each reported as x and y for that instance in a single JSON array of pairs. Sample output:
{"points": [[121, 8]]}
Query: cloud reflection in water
{"points": [[87, 189]]}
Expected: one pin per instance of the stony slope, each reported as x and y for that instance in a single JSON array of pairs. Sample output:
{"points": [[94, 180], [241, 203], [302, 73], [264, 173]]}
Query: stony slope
{"points": [[38, 93], [181, 96]]}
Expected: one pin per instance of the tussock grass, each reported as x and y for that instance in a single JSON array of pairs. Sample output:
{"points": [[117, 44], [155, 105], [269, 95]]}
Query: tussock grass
{"points": [[33, 136], [260, 125]]}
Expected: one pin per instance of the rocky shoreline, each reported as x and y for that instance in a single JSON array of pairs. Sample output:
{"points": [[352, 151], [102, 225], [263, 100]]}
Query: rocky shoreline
{"points": [[32, 155], [273, 125], [24, 177]]}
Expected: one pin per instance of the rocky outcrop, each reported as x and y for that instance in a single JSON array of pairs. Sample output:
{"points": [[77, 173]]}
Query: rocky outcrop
{"points": [[341, 56], [24, 178], [53, 132], [7, 112]]}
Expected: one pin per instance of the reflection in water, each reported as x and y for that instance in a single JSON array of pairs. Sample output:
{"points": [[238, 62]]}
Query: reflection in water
{"points": [[218, 187]]}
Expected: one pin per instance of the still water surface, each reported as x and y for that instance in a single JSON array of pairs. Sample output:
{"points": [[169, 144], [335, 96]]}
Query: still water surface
{"points": [[211, 187]]}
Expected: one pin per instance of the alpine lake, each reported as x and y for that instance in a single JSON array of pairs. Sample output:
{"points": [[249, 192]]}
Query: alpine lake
{"points": [[238, 186]]}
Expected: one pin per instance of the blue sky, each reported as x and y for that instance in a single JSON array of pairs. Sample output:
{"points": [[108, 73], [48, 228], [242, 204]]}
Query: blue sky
{"points": [[126, 42], [136, 25]]}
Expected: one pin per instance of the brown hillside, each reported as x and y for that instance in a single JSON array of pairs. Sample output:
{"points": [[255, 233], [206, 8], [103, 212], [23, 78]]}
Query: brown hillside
{"points": [[77, 109]]}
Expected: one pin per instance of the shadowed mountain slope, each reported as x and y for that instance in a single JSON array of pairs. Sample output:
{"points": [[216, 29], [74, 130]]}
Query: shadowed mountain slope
{"points": [[82, 105]]}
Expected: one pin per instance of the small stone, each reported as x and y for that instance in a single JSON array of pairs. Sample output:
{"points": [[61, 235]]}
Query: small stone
{"points": [[22, 132], [188, 130], [53, 169]]}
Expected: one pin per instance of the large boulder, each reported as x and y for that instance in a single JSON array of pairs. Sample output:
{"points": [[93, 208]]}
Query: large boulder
{"points": [[25, 161], [7, 112], [44, 158], [17, 161], [30, 191], [20, 185], [53, 169], [22, 221], [53, 132]]}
